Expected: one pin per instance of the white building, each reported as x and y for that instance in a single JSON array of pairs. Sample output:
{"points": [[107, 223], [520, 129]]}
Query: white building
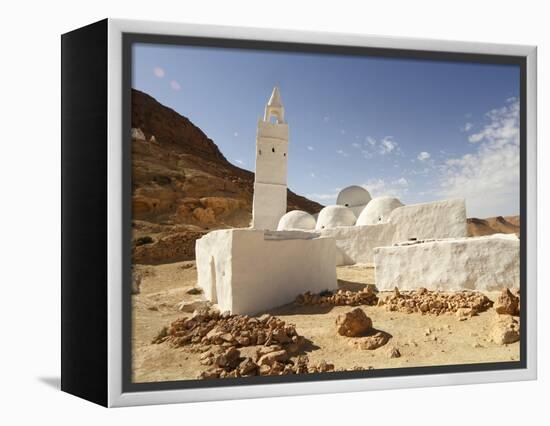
{"points": [[284, 254], [270, 180]]}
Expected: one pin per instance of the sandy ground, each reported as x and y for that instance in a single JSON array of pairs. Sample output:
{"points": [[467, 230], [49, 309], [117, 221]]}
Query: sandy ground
{"points": [[422, 340]]}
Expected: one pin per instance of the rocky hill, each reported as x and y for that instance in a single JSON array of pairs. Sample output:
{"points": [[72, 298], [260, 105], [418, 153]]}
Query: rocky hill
{"points": [[183, 186], [493, 225]]}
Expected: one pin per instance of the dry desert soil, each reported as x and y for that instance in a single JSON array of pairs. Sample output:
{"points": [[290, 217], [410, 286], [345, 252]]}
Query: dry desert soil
{"points": [[422, 340]]}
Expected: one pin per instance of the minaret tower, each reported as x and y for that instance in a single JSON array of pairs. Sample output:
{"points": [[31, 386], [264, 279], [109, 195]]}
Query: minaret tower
{"points": [[270, 180]]}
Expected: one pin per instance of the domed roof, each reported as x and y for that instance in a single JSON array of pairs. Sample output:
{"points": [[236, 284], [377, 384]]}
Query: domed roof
{"points": [[333, 216], [296, 219], [378, 210], [355, 197]]}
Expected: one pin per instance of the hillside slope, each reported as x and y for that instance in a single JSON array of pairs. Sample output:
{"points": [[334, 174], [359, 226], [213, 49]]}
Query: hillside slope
{"points": [[183, 186], [493, 225]]}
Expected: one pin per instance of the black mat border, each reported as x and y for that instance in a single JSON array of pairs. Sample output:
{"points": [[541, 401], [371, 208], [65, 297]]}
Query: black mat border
{"points": [[128, 39]]}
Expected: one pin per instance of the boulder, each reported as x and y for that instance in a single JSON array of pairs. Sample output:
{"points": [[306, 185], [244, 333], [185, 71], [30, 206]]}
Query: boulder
{"points": [[353, 324], [507, 303], [505, 330]]}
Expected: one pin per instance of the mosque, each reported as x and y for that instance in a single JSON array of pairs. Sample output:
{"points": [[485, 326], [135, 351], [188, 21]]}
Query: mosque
{"points": [[283, 254]]}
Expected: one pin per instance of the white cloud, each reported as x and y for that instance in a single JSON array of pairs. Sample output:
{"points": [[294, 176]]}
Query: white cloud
{"points": [[356, 145], [371, 141], [467, 127], [423, 156], [326, 118], [236, 134], [159, 72], [387, 145], [402, 181], [342, 153], [241, 162], [489, 178], [503, 124], [312, 175], [310, 148], [380, 187], [343, 131], [175, 85]]}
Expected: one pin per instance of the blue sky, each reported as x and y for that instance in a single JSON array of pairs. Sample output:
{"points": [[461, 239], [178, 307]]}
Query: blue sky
{"points": [[418, 130]]}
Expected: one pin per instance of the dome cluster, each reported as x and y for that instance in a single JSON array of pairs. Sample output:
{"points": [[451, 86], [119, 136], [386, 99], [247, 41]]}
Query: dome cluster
{"points": [[354, 206]]}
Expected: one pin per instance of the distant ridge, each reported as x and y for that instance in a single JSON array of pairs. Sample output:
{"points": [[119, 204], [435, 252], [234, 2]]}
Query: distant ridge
{"points": [[494, 225]]}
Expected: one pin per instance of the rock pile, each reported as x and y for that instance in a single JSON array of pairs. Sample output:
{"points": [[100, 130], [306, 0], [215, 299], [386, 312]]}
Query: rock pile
{"points": [[218, 337], [434, 302], [210, 327], [367, 296], [269, 361]]}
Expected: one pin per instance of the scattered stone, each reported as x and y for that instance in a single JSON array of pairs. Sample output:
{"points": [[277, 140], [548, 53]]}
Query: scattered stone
{"points": [[354, 323], [194, 290], [272, 357], [505, 330], [321, 367], [507, 303], [435, 302], [465, 312], [394, 353], [372, 342], [136, 282], [161, 336], [192, 306], [248, 367], [366, 296]]}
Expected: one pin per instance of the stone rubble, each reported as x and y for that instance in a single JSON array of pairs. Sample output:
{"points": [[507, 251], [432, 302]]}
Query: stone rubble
{"points": [[435, 302], [210, 327], [366, 296], [218, 337]]}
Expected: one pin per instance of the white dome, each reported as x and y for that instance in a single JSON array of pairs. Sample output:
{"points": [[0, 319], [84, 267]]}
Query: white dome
{"points": [[378, 210], [333, 216], [296, 219], [355, 197]]}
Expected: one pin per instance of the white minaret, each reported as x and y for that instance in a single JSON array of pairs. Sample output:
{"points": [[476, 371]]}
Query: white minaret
{"points": [[271, 166]]}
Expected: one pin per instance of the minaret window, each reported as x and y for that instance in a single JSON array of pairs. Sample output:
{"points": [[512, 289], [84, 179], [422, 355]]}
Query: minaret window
{"points": [[272, 149]]}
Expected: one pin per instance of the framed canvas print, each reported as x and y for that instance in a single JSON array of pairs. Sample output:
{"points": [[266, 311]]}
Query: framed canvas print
{"points": [[253, 212]]}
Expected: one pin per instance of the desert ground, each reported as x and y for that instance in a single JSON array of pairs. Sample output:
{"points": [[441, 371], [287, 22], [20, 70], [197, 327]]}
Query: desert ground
{"points": [[421, 340]]}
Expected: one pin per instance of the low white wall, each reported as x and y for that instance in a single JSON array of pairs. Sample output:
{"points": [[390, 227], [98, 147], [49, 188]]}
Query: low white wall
{"points": [[257, 271], [478, 263], [440, 219], [355, 244]]}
